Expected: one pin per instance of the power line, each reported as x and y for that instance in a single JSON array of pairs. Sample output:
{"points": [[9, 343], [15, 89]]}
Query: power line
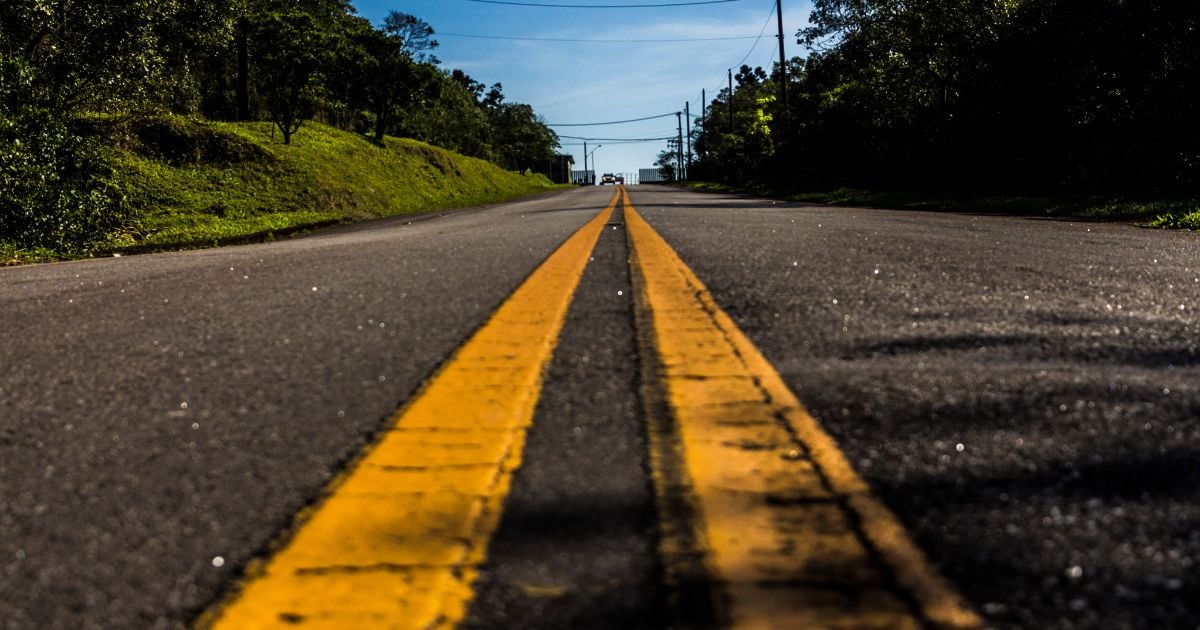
{"points": [[620, 143], [760, 36], [653, 133], [621, 140], [602, 6], [599, 41], [616, 139], [613, 122]]}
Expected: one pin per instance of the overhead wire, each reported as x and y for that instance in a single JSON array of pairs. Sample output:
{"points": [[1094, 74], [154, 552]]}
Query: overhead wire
{"points": [[616, 139], [611, 122], [662, 132], [759, 38], [619, 142], [753, 47], [600, 41]]}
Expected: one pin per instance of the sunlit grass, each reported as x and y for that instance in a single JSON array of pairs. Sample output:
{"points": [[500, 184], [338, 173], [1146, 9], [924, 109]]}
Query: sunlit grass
{"points": [[12, 255], [325, 176], [1179, 220], [204, 184]]}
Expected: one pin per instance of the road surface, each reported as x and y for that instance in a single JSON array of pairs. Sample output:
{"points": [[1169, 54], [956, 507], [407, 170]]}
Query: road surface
{"points": [[1018, 397]]}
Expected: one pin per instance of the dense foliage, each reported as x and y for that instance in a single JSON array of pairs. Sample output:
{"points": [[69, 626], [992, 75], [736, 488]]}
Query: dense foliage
{"points": [[284, 61], [972, 96], [56, 189]]}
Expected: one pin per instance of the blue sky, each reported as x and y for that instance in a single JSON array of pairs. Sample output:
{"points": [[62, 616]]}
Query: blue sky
{"points": [[583, 82]]}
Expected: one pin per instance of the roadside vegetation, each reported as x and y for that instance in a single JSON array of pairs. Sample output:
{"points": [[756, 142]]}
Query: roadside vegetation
{"points": [[214, 183], [155, 124], [1081, 107], [1179, 212]]}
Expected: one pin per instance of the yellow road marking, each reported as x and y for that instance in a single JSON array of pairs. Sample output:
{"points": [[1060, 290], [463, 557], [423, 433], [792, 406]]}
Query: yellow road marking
{"points": [[398, 540], [791, 535]]}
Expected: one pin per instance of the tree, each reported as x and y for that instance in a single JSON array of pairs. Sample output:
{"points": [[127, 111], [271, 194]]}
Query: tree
{"points": [[287, 60], [392, 78], [668, 160], [289, 49], [520, 139], [414, 36], [55, 184], [494, 98], [748, 77], [452, 119], [1004, 94], [475, 88], [58, 60], [744, 151], [245, 13], [96, 54], [192, 40]]}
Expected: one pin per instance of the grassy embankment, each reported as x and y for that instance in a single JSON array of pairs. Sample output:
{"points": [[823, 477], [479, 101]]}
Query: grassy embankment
{"points": [[199, 184], [1162, 213]]}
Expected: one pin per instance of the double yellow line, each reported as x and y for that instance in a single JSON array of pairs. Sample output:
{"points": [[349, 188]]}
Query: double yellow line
{"points": [[790, 535], [787, 533]]}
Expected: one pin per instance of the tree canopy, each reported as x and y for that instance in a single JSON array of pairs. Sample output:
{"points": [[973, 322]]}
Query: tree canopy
{"points": [[281, 60], [63, 62], [985, 95]]}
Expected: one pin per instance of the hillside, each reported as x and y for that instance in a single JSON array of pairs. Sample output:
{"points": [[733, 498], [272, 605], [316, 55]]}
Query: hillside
{"points": [[193, 183]]}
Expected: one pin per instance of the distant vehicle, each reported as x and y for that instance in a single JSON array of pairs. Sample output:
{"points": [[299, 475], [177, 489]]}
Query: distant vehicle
{"points": [[609, 178]]}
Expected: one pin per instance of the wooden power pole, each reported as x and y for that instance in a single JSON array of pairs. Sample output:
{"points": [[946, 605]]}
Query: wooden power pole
{"points": [[783, 74], [687, 117], [679, 149], [731, 100]]}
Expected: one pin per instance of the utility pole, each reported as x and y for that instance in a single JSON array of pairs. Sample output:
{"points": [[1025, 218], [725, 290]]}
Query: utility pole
{"points": [[785, 120], [731, 100], [783, 75], [585, 175], [687, 112], [679, 148]]}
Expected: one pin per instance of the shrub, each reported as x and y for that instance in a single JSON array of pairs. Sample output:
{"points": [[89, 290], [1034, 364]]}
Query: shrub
{"points": [[57, 189]]}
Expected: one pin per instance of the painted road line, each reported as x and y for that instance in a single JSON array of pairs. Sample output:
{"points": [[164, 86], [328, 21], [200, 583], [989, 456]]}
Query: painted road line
{"points": [[786, 532], [398, 539]]}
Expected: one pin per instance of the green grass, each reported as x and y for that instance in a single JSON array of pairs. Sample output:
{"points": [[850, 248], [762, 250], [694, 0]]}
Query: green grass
{"points": [[261, 188], [13, 255], [197, 183], [1165, 213], [1179, 220]]}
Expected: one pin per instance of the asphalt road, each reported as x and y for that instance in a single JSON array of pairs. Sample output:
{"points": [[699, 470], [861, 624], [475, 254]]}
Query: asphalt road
{"points": [[162, 415], [1022, 393], [576, 548]]}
